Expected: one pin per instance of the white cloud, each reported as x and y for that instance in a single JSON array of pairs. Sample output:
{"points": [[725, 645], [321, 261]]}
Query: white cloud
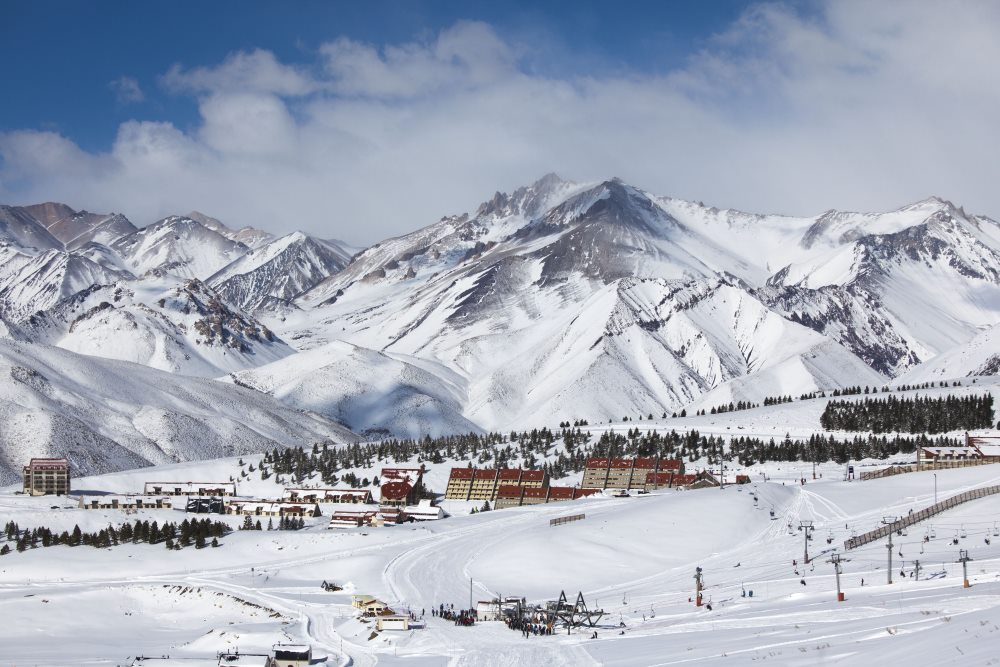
{"points": [[257, 71], [855, 106], [127, 90]]}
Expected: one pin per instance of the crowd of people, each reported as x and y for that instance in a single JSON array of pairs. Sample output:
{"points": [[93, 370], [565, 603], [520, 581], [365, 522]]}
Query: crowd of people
{"points": [[464, 617], [529, 625]]}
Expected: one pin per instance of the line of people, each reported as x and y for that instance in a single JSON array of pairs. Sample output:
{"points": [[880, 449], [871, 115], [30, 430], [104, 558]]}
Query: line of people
{"points": [[527, 626], [464, 617]]}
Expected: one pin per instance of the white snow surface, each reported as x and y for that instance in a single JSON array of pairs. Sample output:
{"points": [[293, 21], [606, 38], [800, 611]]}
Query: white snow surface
{"points": [[635, 558]]}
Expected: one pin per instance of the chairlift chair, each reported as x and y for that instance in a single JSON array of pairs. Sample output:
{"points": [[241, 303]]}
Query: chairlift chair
{"points": [[963, 533], [996, 531]]}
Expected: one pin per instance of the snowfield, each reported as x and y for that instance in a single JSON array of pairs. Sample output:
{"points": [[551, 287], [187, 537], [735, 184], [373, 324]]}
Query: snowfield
{"points": [[634, 557]]}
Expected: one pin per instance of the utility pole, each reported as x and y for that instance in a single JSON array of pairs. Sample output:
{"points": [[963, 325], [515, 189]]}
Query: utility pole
{"points": [[837, 560], [889, 521], [471, 606], [697, 586], [964, 558], [806, 526]]}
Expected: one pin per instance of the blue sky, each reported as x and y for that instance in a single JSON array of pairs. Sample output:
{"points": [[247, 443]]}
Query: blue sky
{"points": [[362, 120], [62, 57]]}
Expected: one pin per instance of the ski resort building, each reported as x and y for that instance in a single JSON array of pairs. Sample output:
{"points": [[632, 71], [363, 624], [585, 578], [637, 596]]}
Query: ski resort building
{"points": [[948, 457], [401, 486], [223, 489], [516, 496], [397, 494], [671, 480], [353, 519], [363, 496], [46, 477], [198, 505], [424, 511], [244, 660], [626, 473], [393, 622], [266, 508], [485, 483], [988, 446], [390, 516], [411, 475], [125, 503], [291, 655]]}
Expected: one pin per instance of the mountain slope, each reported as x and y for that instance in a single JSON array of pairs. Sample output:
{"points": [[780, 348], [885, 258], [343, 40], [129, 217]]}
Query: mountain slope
{"points": [[180, 246], [182, 327], [372, 393], [269, 277], [111, 415]]}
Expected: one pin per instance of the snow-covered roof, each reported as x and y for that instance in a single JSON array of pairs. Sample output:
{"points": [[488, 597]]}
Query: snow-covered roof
{"points": [[244, 660], [951, 451]]}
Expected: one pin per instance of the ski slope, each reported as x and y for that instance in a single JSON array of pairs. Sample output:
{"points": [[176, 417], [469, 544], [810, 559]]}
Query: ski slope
{"points": [[633, 557]]}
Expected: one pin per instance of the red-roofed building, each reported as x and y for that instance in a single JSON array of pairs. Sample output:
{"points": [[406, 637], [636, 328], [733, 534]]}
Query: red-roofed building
{"points": [[658, 480], [620, 474], [535, 496], [557, 493], [484, 483], [459, 484], [595, 473], [670, 465], [625, 473], [397, 494], [533, 478], [509, 496]]}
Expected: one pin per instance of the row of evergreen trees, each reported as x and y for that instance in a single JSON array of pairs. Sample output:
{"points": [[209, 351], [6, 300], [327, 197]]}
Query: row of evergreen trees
{"points": [[909, 415], [172, 535], [284, 523], [328, 463]]}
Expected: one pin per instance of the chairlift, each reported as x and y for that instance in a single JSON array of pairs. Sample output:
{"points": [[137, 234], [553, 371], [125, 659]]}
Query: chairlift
{"points": [[963, 533], [996, 531], [933, 533], [903, 532], [921, 547]]}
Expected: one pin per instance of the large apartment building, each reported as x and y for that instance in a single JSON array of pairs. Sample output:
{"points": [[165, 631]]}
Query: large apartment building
{"points": [[515, 496], [483, 483], [626, 473], [46, 477]]}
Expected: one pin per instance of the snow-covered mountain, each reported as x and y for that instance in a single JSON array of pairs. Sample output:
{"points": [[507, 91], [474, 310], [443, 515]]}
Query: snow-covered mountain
{"points": [[179, 246], [112, 415], [557, 301], [270, 276], [371, 392], [181, 327], [248, 236]]}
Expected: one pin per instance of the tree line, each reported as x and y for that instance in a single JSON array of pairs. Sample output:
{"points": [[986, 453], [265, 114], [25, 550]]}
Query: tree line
{"points": [[174, 536], [909, 415]]}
